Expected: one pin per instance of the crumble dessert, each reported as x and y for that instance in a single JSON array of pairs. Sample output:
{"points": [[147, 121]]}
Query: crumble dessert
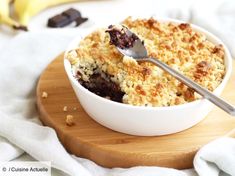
{"points": [[99, 66]]}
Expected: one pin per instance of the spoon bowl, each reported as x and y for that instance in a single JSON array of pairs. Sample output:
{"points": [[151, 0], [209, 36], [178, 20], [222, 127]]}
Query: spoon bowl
{"points": [[138, 51]]}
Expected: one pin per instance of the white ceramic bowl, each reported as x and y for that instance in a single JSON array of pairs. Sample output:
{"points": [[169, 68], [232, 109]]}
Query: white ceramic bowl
{"points": [[146, 121]]}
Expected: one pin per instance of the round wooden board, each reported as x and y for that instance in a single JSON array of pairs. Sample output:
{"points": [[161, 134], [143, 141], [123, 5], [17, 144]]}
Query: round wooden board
{"points": [[108, 148]]}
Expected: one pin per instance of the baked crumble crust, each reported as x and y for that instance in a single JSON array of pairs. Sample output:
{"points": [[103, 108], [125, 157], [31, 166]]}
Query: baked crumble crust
{"points": [[144, 84]]}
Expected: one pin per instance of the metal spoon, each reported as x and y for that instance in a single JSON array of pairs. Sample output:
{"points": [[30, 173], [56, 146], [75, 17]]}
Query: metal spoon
{"points": [[139, 52]]}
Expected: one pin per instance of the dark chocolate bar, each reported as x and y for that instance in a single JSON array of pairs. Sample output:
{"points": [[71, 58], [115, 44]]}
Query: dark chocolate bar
{"points": [[72, 14], [66, 18], [58, 21], [80, 20]]}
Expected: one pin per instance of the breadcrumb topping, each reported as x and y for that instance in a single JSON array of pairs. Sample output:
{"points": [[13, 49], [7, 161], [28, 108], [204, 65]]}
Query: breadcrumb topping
{"points": [[145, 84]]}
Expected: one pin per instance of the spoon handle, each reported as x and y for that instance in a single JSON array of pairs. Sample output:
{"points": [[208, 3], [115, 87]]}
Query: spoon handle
{"points": [[202, 91]]}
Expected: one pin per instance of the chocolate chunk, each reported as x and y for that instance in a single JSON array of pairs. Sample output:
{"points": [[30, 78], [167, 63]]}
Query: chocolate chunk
{"points": [[72, 14], [80, 20], [58, 21], [103, 86], [66, 18], [110, 26], [120, 38]]}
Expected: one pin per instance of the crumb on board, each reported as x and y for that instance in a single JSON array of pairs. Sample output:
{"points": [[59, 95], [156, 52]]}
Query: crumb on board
{"points": [[65, 108], [44, 94], [70, 120], [74, 108]]}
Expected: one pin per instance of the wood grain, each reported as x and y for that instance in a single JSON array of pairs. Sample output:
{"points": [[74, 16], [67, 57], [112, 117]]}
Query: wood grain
{"points": [[112, 149]]}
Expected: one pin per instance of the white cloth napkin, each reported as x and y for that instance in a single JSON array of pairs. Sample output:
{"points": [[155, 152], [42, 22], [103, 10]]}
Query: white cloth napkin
{"points": [[219, 155], [24, 58]]}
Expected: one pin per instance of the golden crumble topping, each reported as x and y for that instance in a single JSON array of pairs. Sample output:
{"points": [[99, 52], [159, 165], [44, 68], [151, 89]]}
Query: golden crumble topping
{"points": [[144, 84]]}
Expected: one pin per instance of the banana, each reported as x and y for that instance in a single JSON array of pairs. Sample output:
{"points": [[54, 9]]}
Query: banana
{"points": [[4, 7], [26, 9], [5, 16]]}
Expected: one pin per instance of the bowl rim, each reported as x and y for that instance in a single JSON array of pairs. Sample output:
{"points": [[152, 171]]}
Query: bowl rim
{"points": [[209, 36]]}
